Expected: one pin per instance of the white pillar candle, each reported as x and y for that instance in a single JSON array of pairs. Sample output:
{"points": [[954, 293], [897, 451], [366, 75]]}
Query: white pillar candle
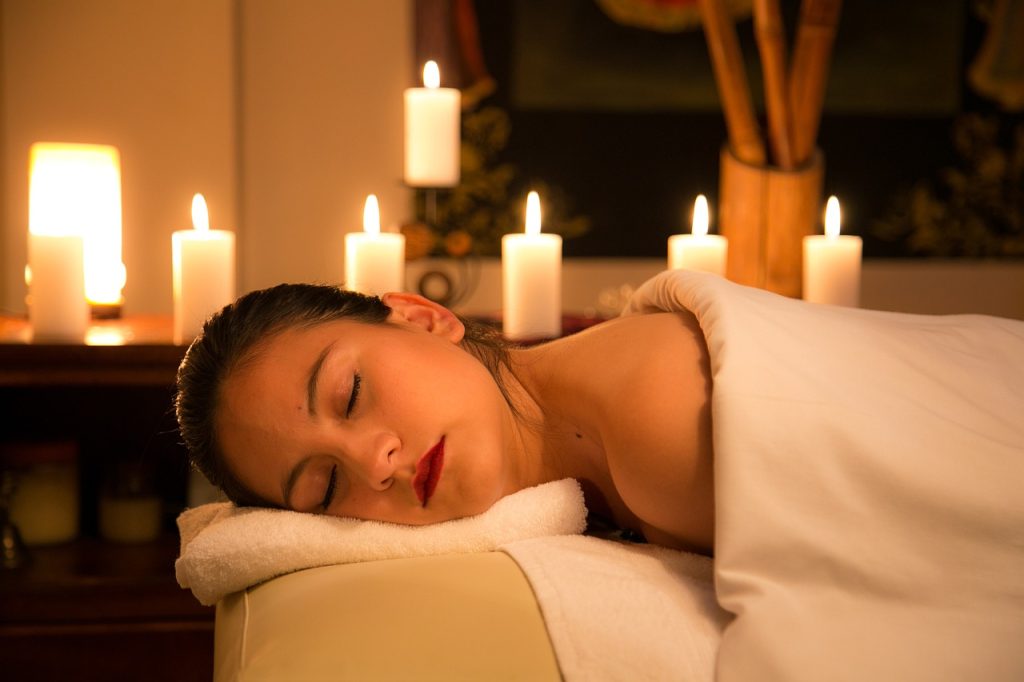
{"points": [[432, 135], [374, 260], [203, 271], [698, 250], [55, 276], [531, 266], [832, 263]]}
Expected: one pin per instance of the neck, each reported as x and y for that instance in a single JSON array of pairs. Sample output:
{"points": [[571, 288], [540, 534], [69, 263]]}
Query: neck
{"points": [[553, 430]]}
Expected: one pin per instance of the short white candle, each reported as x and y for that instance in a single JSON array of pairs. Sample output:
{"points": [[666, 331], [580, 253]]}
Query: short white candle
{"points": [[374, 260], [531, 266], [698, 250], [203, 271], [832, 263], [432, 135], [55, 276]]}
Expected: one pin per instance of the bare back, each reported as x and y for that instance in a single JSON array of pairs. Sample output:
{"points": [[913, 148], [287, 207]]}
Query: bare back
{"points": [[637, 391]]}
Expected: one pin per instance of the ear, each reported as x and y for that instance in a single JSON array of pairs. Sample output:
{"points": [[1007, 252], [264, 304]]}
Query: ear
{"points": [[425, 314]]}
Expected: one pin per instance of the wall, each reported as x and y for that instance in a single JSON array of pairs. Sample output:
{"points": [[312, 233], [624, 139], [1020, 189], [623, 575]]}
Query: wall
{"points": [[597, 286], [283, 114], [321, 125]]}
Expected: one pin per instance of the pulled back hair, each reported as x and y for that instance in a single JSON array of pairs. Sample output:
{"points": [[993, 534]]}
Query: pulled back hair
{"points": [[233, 336]]}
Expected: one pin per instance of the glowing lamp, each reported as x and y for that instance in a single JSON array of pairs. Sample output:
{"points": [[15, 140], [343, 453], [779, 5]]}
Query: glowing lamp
{"points": [[75, 189]]}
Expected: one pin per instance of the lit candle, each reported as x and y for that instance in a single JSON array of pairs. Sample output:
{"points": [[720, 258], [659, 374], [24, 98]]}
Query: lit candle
{"points": [[203, 270], [374, 260], [832, 263], [432, 137], [531, 266], [698, 250]]}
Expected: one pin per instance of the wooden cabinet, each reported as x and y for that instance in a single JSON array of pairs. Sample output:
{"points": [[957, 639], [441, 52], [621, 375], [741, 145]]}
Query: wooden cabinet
{"points": [[92, 609]]}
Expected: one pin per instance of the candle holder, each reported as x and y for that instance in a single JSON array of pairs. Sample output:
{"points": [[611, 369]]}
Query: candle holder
{"points": [[452, 285], [105, 311], [448, 286]]}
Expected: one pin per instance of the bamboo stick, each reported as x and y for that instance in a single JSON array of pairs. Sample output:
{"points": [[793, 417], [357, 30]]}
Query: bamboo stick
{"points": [[771, 45], [815, 34], [727, 62]]}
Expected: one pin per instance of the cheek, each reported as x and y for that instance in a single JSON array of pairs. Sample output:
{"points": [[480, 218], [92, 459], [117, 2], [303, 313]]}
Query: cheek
{"points": [[370, 506]]}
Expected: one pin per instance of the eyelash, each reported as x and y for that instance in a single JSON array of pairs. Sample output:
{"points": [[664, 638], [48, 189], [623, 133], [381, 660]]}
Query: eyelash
{"points": [[356, 382], [329, 494]]}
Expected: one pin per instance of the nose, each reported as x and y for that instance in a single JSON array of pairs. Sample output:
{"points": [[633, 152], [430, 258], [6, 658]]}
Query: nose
{"points": [[375, 459]]}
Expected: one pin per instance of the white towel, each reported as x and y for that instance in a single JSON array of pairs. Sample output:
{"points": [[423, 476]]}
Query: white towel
{"points": [[225, 548]]}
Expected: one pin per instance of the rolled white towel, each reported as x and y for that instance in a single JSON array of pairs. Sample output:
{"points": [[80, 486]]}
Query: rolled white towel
{"points": [[225, 548]]}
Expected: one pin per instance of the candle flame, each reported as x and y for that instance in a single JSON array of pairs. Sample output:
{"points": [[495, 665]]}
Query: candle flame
{"points": [[371, 215], [532, 213], [431, 75], [832, 217], [200, 214], [700, 215]]}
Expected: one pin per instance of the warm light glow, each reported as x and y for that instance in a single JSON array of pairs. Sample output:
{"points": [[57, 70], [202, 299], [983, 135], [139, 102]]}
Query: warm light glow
{"points": [[371, 214], [75, 189], [832, 217], [431, 75], [106, 336], [200, 214], [700, 216]]}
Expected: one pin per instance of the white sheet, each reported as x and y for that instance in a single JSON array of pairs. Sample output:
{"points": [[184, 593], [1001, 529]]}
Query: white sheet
{"points": [[869, 470], [624, 612]]}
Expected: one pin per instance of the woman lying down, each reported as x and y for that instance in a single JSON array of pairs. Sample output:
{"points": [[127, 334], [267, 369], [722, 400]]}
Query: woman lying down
{"points": [[854, 473], [325, 401]]}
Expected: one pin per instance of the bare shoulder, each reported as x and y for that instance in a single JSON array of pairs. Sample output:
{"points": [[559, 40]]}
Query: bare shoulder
{"points": [[652, 378]]}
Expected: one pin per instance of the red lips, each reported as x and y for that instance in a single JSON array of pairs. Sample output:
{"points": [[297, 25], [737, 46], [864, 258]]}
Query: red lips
{"points": [[428, 472]]}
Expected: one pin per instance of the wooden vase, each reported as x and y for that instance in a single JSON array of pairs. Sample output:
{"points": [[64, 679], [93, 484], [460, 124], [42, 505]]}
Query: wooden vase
{"points": [[765, 212]]}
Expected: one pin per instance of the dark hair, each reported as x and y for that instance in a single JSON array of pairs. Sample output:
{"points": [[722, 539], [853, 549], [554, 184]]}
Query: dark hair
{"points": [[234, 335]]}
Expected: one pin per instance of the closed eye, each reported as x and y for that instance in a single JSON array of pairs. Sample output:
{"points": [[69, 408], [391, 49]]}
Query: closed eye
{"points": [[354, 396], [331, 484]]}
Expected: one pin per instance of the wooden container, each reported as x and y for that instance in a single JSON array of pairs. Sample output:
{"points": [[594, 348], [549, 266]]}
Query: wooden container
{"points": [[765, 212]]}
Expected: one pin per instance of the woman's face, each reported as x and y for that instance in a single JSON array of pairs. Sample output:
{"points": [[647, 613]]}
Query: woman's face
{"points": [[392, 422]]}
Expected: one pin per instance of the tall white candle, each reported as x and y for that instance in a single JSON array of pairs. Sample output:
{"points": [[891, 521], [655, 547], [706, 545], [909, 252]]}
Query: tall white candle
{"points": [[698, 250], [432, 136], [374, 260], [203, 270], [832, 263], [531, 266]]}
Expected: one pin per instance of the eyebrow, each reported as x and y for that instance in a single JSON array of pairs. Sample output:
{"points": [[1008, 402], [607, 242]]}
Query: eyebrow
{"points": [[311, 388], [314, 377]]}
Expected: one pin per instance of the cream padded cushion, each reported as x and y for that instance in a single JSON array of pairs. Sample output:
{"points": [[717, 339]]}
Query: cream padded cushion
{"points": [[448, 617]]}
